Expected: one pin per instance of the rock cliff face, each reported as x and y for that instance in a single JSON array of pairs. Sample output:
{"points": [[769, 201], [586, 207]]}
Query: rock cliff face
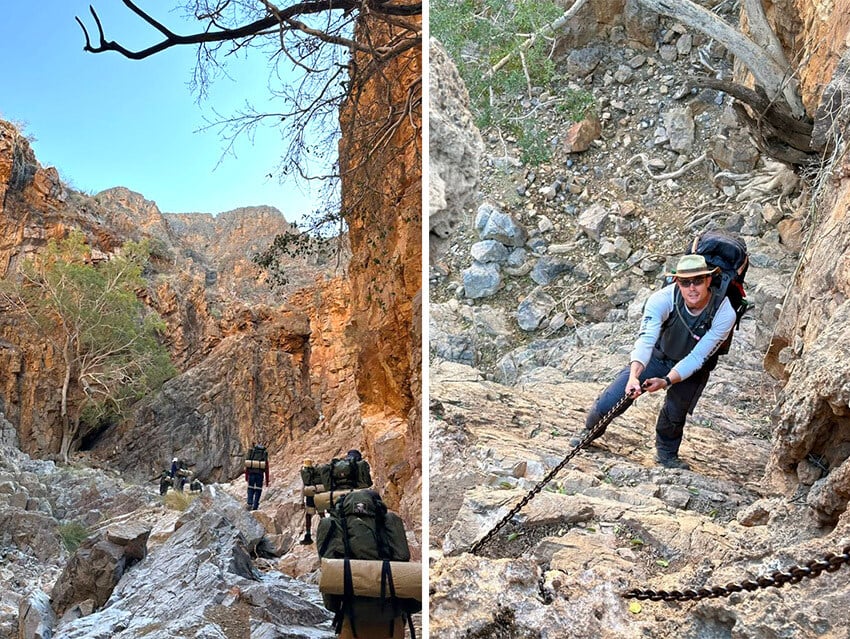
{"points": [[455, 151], [251, 366], [811, 342], [381, 199], [197, 266]]}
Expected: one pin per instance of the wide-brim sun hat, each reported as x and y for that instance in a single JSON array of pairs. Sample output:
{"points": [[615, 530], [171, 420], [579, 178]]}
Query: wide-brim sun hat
{"points": [[692, 266]]}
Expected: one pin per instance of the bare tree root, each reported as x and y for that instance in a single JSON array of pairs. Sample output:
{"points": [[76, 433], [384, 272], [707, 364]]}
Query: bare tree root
{"points": [[775, 179]]}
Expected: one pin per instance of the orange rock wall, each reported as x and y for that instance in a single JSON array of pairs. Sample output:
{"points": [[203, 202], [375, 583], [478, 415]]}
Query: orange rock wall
{"points": [[809, 346], [814, 33], [382, 203]]}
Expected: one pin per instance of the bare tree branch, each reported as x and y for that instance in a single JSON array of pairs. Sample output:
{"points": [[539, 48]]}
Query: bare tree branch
{"points": [[254, 28], [761, 33], [544, 31], [772, 75], [773, 126]]}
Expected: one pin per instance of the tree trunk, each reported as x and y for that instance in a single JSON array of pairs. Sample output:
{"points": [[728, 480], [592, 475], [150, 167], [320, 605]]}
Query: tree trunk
{"points": [[67, 426], [773, 76]]}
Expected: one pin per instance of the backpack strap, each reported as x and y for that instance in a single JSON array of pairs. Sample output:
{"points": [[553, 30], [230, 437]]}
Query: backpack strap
{"points": [[328, 538], [348, 591], [714, 306], [387, 580], [347, 579], [331, 474]]}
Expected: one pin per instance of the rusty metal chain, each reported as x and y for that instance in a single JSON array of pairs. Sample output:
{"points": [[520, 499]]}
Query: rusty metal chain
{"points": [[830, 563], [588, 437]]}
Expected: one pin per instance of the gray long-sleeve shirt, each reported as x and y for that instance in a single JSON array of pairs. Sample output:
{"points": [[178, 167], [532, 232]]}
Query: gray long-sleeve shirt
{"points": [[658, 308]]}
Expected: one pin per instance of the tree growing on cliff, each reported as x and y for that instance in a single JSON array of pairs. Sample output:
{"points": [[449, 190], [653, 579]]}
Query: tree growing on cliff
{"points": [[91, 315], [338, 46]]}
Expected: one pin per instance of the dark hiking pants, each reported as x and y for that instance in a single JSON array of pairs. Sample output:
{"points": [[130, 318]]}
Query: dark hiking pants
{"points": [[255, 489], [679, 402]]}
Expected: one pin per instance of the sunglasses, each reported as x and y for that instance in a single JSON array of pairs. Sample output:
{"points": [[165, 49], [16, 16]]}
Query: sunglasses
{"points": [[687, 282]]}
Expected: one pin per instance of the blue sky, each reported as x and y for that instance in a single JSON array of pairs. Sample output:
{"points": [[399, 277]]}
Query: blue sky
{"points": [[103, 120]]}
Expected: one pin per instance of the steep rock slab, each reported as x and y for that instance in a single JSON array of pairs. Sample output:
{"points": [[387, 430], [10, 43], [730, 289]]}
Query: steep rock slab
{"points": [[610, 521], [202, 581], [253, 386]]}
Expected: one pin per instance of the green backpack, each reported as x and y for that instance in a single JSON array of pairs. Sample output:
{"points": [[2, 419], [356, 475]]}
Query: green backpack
{"points": [[361, 527], [345, 473], [257, 458], [310, 475]]}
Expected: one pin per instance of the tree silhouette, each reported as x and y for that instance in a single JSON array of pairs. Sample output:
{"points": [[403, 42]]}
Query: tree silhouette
{"points": [[321, 38]]}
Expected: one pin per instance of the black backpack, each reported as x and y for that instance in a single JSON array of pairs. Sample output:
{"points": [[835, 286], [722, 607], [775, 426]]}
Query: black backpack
{"points": [[726, 251], [257, 458], [361, 527]]}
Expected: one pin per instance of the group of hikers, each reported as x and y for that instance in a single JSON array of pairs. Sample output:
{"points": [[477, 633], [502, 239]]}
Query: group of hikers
{"points": [[367, 578], [177, 478]]}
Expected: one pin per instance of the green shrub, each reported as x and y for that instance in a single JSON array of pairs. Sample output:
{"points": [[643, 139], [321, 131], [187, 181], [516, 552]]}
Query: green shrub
{"points": [[177, 500], [576, 104], [533, 143], [73, 534], [477, 34]]}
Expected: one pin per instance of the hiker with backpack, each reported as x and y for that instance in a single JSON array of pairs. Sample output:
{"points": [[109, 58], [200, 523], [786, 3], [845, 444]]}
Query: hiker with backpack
{"points": [[366, 594], [179, 474], [165, 482], [684, 326], [256, 469], [312, 484]]}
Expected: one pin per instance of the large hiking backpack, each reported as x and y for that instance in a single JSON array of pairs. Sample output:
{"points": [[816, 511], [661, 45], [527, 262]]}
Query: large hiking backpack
{"points": [[726, 251], [361, 527], [257, 458], [310, 475], [345, 473]]}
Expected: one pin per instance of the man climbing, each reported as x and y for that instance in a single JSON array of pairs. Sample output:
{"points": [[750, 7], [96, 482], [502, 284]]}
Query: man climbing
{"points": [[256, 469], [683, 326]]}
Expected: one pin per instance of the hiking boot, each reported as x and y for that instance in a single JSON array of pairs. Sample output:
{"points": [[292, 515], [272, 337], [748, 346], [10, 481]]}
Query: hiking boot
{"points": [[672, 461], [307, 540]]}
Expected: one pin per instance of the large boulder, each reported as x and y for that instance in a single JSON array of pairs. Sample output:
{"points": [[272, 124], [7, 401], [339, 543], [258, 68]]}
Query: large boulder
{"points": [[455, 150], [202, 582]]}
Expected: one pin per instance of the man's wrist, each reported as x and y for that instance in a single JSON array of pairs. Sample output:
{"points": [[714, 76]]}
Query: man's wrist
{"points": [[667, 381]]}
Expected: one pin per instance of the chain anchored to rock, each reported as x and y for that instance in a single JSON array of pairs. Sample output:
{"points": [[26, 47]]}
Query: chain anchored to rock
{"points": [[830, 563], [589, 436]]}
